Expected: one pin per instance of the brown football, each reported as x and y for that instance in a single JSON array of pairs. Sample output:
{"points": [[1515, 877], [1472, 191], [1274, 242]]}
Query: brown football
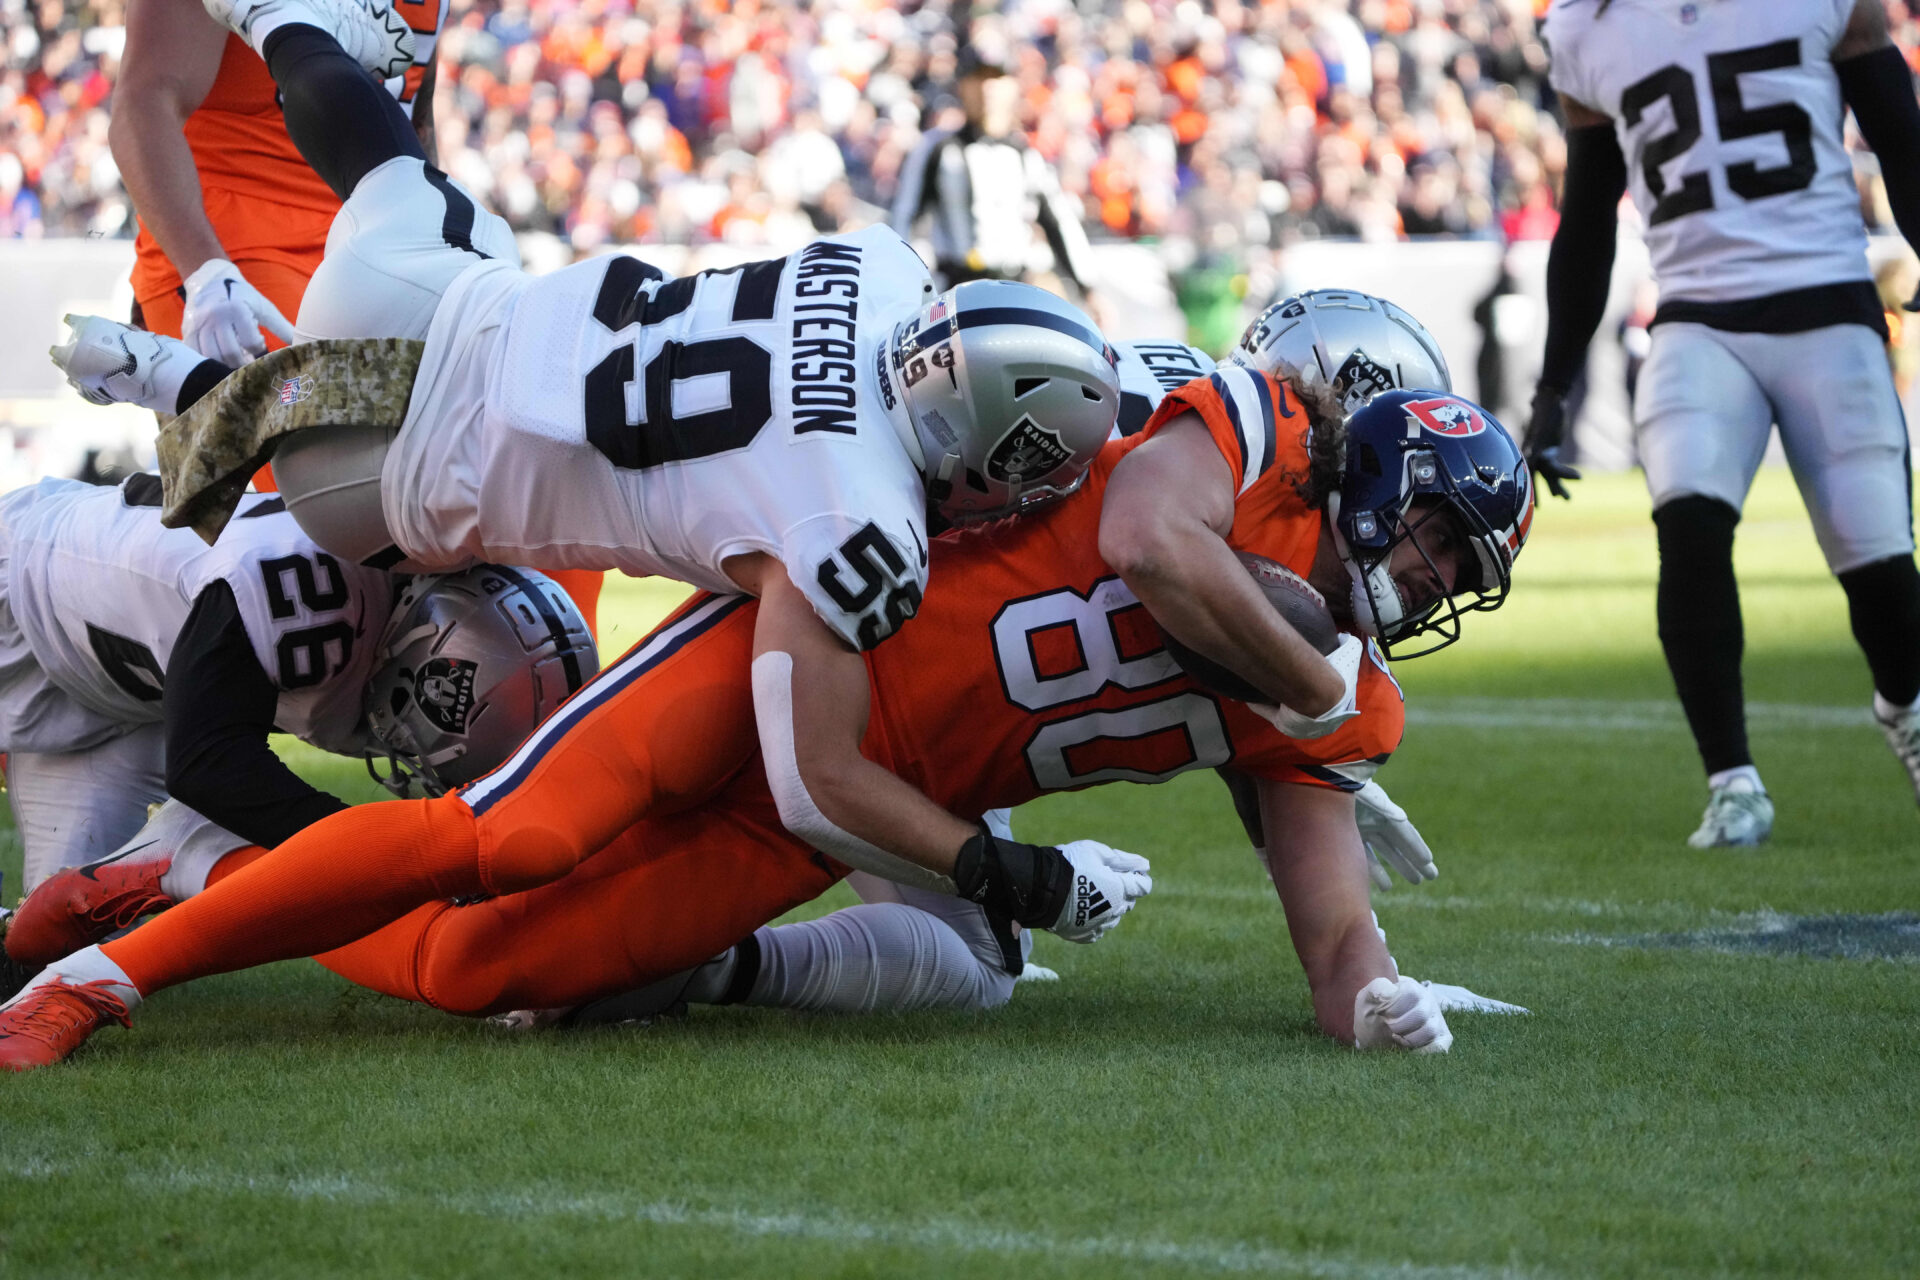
{"points": [[1303, 607]]}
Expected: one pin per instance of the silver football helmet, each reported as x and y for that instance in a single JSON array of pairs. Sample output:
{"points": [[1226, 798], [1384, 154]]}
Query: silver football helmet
{"points": [[469, 664], [1009, 392], [1343, 347]]}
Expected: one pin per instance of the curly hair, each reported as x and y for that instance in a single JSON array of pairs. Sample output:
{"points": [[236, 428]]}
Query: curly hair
{"points": [[1325, 436]]}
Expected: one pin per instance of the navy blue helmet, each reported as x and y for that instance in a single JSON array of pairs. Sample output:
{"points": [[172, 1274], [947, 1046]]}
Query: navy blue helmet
{"points": [[1429, 467]]}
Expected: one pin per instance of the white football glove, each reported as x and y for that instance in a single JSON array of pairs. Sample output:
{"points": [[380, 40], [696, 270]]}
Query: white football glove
{"points": [[225, 315], [112, 363], [1390, 839], [1403, 1014], [1106, 884], [1345, 660]]}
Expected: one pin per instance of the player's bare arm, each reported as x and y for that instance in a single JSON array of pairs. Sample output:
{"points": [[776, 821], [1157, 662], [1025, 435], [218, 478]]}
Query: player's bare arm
{"points": [[1163, 530], [818, 700], [1579, 270], [1319, 867], [811, 701], [172, 56]]}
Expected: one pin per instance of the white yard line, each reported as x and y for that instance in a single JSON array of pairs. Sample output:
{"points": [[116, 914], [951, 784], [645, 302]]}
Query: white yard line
{"points": [[1591, 715], [832, 1229]]}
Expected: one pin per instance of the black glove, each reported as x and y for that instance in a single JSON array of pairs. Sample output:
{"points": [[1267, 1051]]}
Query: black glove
{"points": [[1546, 432], [1027, 883]]}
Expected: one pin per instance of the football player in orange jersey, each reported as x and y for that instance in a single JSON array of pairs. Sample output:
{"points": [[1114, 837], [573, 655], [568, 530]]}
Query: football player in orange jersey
{"points": [[1406, 519], [233, 221]]}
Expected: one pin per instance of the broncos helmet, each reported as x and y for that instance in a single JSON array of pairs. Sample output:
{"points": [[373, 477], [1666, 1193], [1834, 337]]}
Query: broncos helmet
{"points": [[1009, 392], [1342, 345], [468, 665], [1405, 446]]}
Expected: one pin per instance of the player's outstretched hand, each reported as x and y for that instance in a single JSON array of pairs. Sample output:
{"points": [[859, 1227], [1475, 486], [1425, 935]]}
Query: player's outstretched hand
{"points": [[1391, 840], [1106, 884], [225, 315], [1403, 1014], [1546, 433]]}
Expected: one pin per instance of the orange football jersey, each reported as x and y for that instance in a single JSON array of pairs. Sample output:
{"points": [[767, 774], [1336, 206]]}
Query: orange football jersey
{"points": [[1032, 668], [265, 202]]}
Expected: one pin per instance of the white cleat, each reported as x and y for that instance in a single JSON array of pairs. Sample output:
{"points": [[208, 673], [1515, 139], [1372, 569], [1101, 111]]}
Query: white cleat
{"points": [[1739, 815], [1902, 727], [369, 31], [112, 363]]}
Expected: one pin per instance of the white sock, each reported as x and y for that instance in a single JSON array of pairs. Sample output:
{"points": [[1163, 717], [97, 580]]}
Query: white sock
{"points": [[197, 844], [1744, 777], [1886, 712], [89, 964], [875, 957]]}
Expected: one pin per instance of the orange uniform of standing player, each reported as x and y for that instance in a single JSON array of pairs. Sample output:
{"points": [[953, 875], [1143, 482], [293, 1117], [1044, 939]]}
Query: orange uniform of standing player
{"points": [[1033, 670], [266, 209], [200, 140]]}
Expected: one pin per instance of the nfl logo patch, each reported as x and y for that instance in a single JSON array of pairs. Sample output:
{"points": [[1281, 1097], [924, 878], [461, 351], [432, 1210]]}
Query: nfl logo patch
{"points": [[294, 390]]}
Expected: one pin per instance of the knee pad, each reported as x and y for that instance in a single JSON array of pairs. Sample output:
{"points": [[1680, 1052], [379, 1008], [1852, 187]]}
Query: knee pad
{"points": [[330, 479], [526, 858]]}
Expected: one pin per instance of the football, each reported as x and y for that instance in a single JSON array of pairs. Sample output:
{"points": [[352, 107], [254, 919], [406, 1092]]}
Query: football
{"points": [[1304, 609]]}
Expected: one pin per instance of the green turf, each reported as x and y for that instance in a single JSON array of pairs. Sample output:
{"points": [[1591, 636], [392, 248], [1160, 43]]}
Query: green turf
{"points": [[1167, 1108]]}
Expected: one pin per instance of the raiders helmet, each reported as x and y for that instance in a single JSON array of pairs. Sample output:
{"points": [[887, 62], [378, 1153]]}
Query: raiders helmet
{"points": [[1342, 345], [1009, 392], [469, 663], [1406, 446]]}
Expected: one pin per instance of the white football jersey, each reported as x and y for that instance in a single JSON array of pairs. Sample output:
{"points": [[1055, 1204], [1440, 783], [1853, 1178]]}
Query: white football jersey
{"points": [[1148, 370], [604, 417], [101, 590], [1729, 115]]}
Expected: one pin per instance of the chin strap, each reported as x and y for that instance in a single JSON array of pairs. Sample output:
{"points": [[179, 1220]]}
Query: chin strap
{"points": [[1365, 601]]}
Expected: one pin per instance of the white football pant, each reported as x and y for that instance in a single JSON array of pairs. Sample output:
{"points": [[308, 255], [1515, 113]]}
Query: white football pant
{"points": [[396, 244], [1707, 404], [901, 949], [76, 807]]}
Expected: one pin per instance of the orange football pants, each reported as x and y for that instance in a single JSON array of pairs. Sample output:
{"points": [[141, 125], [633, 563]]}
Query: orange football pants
{"points": [[666, 894], [660, 731]]}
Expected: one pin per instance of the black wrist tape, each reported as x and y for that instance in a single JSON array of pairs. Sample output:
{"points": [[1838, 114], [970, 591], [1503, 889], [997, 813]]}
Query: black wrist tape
{"points": [[1028, 883]]}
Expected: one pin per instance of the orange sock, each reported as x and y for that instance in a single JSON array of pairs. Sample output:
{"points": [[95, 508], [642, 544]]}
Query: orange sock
{"points": [[244, 856], [583, 588], [338, 880]]}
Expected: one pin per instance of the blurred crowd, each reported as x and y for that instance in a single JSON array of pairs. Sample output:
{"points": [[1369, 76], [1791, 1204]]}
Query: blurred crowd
{"points": [[1224, 126]]}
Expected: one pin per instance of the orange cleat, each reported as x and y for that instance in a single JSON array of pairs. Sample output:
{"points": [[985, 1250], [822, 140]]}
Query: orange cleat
{"points": [[79, 906], [50, 1019]]}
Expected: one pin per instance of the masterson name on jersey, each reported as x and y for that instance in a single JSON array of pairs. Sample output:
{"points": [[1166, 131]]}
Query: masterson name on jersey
{"points": [[826, 308]]}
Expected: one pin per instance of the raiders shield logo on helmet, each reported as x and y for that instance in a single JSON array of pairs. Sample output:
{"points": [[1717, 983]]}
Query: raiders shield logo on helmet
{"points": [[1360, 380], [1026, 451], [444, 689]]}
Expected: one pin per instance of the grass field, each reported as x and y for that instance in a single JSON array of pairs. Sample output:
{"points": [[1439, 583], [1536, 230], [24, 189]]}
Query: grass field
{"points": [[1691, 1095]]}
